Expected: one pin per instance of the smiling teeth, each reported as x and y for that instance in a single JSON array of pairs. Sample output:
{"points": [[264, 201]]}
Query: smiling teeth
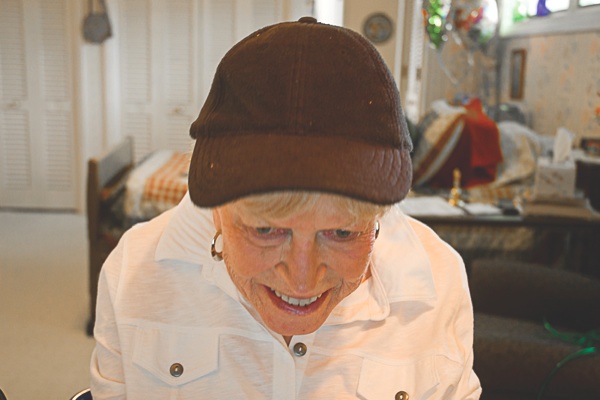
{"points": [[296, 302]]}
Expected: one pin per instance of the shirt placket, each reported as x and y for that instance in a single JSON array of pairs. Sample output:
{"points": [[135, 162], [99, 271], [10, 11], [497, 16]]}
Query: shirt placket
{"points": [[300, 348]]}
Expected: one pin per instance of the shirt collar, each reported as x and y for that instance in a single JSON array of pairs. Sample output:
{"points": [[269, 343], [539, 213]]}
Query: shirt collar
{"points": [[400, 268], [187, 238]]}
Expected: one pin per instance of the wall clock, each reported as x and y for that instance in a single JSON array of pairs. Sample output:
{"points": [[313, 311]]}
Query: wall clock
{"points": [[378, 28]]}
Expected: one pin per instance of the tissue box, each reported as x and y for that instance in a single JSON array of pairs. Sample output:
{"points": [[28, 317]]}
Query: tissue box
{"points": [[554, 179]]}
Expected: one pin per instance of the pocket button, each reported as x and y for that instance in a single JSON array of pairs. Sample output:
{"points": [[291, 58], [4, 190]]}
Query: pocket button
{"points": [[401, 395], [176, 370]]}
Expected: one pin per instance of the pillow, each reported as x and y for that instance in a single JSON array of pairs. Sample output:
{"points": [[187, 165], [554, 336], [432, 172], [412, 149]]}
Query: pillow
{"points": [[435, 146], [441, 107], [476, 152], [520, 154], [422, 126]]}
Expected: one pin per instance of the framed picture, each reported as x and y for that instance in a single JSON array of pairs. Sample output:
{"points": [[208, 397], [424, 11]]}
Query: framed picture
{"points": [[517, 73]]}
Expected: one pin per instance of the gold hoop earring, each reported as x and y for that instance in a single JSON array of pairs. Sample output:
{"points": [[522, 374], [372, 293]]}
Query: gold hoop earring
{"points": [[216, 255], [376, 229]]}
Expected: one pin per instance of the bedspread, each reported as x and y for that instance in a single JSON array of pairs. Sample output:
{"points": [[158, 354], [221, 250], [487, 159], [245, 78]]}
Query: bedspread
{"points": [[156, 185], [168, 185]]}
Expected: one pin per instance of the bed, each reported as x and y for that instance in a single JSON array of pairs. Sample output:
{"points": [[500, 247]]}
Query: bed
{"points": [[121, 193]]}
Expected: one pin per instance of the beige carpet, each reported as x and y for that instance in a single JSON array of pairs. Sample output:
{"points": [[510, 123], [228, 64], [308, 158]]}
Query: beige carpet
{"points": [[44, 350]]}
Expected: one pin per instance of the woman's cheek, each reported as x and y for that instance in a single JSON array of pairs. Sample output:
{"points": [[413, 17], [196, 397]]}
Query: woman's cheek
{"points": [[358, 252], [249, 261]]}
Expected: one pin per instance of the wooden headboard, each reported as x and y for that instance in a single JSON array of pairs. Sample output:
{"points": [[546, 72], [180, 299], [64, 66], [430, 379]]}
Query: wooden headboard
{"points": [[106, 177]]}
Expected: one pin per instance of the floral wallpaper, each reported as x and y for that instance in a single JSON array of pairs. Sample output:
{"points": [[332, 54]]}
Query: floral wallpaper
{"points": [[561, 82], [561, 85]]}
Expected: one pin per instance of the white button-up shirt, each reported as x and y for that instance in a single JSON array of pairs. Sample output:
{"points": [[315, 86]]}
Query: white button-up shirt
{"points": [[171, 324]]}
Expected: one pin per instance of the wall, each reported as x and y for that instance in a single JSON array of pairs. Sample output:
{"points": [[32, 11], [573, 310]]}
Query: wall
{"points": [[453, 72], [355, 15], [562, 81]]}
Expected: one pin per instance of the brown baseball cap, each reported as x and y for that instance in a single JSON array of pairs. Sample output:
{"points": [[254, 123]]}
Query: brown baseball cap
{"points": [[301, 106]]}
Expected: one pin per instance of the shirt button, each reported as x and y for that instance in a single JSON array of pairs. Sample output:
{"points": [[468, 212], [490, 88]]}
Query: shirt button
{"points": [[299, 349], [401, 395], [176, 370]]}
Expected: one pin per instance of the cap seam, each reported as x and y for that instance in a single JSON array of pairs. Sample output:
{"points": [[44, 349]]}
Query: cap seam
{"points": [[296, 92], [383, 75]]}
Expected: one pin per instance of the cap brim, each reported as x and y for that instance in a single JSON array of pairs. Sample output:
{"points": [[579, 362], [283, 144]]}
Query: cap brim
{"points": [[229, 167]]}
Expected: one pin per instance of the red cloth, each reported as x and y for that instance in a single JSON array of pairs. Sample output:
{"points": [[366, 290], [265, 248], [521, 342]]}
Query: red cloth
{"points": [[477, 153]]}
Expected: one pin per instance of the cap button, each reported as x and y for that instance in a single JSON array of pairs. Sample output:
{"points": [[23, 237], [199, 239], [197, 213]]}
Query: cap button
{"points": [[308, 20]]}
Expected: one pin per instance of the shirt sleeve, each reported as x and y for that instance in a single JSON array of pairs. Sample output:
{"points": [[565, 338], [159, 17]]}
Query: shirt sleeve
{"points": [[468, 387], [106, 369]]}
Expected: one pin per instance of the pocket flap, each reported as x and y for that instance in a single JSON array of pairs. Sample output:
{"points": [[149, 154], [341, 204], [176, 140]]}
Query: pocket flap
{"points": [[380, 380], [176, 357]]}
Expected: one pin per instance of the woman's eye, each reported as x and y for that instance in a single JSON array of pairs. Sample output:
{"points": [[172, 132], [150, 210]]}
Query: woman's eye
{"points": [[267, 232], [264, 230], [341, 234]]}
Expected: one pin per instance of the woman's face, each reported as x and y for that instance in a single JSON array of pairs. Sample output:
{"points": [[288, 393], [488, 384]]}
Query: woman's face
{"points": [[295, 269]]}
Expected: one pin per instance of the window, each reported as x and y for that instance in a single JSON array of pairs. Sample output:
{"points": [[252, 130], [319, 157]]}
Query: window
{"points": [[529, 17], [551, 6], [530, 7]]}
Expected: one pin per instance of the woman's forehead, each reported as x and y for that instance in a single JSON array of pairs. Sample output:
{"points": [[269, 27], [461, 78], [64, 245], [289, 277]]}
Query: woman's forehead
{"points": [[285, 204], [318, 207]]}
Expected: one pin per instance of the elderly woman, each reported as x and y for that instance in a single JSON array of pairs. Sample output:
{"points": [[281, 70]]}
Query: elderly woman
{"points": [[287, 272]]}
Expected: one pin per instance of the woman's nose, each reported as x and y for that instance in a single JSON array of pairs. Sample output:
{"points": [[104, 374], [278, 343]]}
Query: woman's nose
{"points": [[305, 266]]}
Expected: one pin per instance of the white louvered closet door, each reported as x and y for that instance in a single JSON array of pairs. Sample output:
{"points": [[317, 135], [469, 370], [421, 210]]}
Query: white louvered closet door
{"points": [[167, 54], [156, 55], [37, 152]]}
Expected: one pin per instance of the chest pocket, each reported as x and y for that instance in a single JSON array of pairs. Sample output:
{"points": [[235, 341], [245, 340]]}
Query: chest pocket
{"points": [[176, 357], [383, 381]]}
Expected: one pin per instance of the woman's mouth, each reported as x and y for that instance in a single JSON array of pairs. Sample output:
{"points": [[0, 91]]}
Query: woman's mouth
{"points": [[294, 301]]}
